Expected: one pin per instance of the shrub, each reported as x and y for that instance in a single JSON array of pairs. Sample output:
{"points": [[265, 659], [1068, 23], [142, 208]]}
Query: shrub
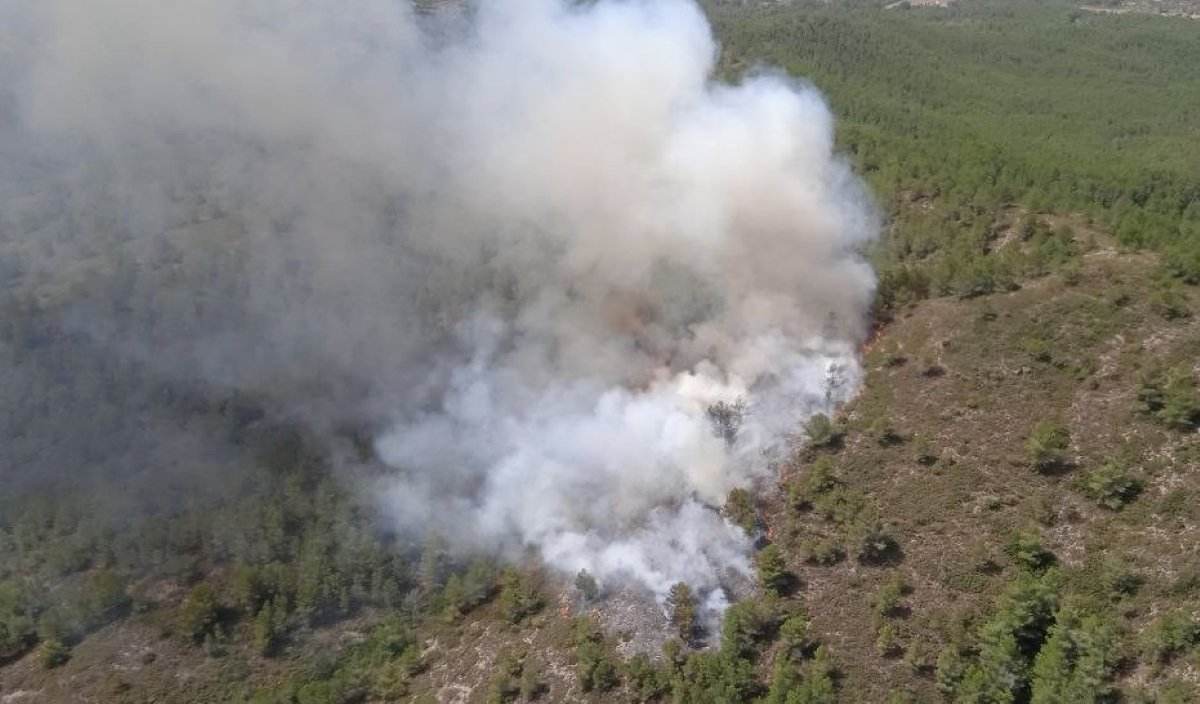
{"points": [[1047, 446], [876, 546], [822, 478], [1026, 551], [885, 433], [53, 653], [1182, 261], [843, 505], [1111, 485], [824, 552], [1170, 397], [1181, 402], [887, 641], [888, 599], [1169, 636], [1169, 302], [924, 452]]}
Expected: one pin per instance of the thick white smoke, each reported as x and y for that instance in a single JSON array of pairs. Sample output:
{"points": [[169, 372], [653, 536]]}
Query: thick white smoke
{"points": [[533, 240]]}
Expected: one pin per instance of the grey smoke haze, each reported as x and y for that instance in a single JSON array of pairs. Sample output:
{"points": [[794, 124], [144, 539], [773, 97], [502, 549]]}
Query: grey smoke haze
{"points": [[530, 244]]}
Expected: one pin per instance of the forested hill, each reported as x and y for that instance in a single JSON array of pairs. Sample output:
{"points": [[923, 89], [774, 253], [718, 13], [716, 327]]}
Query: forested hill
{"points": [[982, 103], [1008, 512]]}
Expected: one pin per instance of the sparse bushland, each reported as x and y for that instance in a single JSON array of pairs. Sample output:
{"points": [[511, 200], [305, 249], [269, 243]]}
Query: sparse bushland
{"points": [[837, 508]]}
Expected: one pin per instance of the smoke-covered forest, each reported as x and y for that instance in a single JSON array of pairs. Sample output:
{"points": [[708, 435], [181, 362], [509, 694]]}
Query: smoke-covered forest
{"points": [[791, 353]]}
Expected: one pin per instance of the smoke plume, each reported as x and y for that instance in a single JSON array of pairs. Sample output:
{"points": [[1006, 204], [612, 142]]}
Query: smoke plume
{"points": [[531, 242]]}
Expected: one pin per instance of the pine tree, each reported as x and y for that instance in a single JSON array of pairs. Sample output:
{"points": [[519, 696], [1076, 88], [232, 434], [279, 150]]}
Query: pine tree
{"points": [[681, 605]]}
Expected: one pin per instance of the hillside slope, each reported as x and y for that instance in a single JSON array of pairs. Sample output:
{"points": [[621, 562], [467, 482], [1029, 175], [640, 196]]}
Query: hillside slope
{"points": [[931, 461]]}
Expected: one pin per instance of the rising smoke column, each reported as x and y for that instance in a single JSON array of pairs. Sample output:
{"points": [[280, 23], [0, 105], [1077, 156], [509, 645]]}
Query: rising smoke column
{"points": [[532, 242]]}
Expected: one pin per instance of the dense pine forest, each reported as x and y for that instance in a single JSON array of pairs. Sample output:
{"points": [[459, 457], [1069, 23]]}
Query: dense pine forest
{"points": [[1007, 513], [978, 105]]}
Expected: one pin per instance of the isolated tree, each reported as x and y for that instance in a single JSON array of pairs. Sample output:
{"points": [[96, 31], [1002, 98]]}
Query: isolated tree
{"points": [[478, 583], [746, 627], [434, 564], [532, 685], [17, 632], [793, 634], [587, 586], [453, 599], [740, 510], [681, 605], [105, 597], [200, 613], [594, 664], [506, 685], [646, 683], [519, 596], [773, 574], [822, 478], [822, 432], [727, 418], [266, 634]]}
